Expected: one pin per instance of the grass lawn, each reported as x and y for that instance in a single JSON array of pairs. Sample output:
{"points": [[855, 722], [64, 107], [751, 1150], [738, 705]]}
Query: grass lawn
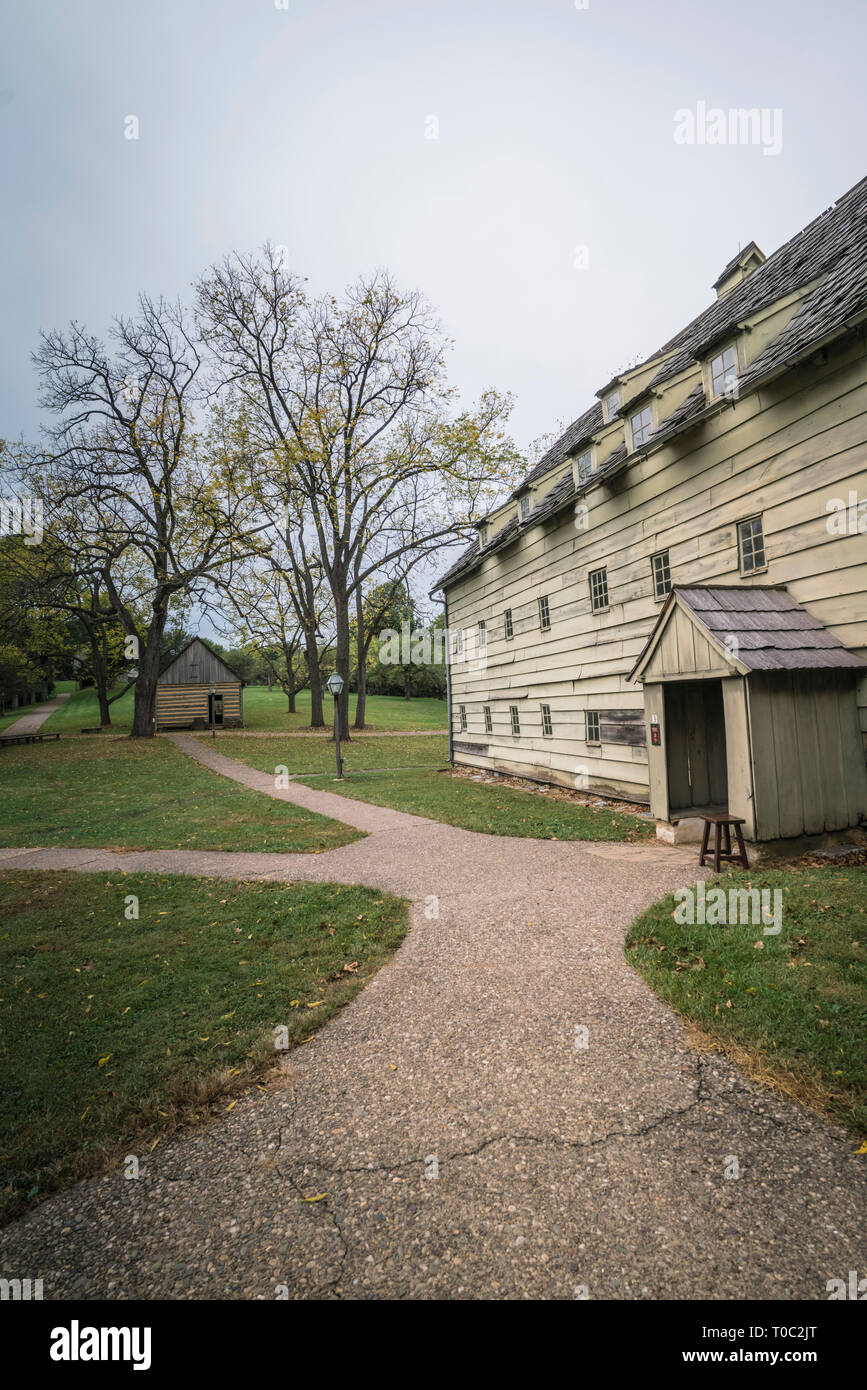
{"points": [[382, 712], [791, 1008], [115, 1032], [81, 711], [491, 809], [119, 794], [263, 711], [309, 754]]}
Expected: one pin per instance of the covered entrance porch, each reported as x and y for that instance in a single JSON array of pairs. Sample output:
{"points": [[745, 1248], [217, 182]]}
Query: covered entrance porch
{"points": [[750, 709]]}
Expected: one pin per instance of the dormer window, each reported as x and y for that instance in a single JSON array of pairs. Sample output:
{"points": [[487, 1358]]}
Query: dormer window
{"points": [[724, 372], [641, 425], [584, 466], [525, 507], [612, 405], [483, 536]]}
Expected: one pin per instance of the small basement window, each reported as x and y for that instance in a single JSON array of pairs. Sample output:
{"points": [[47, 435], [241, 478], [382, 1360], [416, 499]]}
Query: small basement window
{"points": [[723, 371], [489, 728], [592, 733], [598, 580], [751, 545], [544, 613], [547, 726], [641, 424], [661, 574], [516, 723], [507, 623]]}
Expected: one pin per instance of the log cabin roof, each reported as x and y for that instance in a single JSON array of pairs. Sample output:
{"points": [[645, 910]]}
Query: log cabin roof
{"points": [[755, 628], [211, 666]]}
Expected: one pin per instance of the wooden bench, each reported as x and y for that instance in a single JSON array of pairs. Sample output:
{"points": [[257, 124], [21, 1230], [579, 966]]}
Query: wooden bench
{"points": [[26, 738], [723, 823]]}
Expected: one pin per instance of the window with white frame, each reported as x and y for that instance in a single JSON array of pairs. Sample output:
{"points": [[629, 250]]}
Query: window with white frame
{"points": [[513, 715], [612, 404], [584, 465], [507, 624], [641, 425], [661, 574], [751, 545], [547, 726], [525, 507], [483, 535], [459, 642], [489, 727], [598, 580], [462, 715], [483, 637], [592, 731], [544, 613], [723, 371]]}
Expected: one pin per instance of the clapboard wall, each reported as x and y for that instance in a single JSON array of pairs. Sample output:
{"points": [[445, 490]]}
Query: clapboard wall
{"points": [[783, 451]]}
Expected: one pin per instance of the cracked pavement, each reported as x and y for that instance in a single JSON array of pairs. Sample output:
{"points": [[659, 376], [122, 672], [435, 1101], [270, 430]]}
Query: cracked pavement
{"points": [[444, 1136]]}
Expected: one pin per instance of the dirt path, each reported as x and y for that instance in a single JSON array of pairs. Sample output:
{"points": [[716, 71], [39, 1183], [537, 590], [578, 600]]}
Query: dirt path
{"points": [[459, 1138]]}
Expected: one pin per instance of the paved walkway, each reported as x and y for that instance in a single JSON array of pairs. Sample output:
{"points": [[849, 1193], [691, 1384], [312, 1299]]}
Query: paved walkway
{"points": [[460, 1144], [31, 723]]}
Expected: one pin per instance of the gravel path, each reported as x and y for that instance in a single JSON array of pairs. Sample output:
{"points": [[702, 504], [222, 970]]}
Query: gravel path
{"points": [[459, 1143]]}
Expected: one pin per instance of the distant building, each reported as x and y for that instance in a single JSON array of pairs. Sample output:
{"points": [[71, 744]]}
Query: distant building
{"points": [[672, 607], [198, 688]]}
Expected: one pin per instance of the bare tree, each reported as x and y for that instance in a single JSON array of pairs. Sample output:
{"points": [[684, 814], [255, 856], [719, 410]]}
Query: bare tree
{"points": [[278, 605], [349, 404], [160, 510]]}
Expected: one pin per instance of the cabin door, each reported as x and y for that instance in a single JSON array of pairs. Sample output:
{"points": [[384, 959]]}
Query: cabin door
{"points": [[215, 709], [695, 729]]}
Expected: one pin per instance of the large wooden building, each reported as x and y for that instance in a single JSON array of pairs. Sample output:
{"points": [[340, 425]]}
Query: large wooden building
{"points": [[672, 608], [197, 689]]}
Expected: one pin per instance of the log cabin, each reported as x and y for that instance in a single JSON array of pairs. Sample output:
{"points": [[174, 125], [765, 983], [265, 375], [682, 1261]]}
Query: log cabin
{"points": [[199, 688], [671, 608]]}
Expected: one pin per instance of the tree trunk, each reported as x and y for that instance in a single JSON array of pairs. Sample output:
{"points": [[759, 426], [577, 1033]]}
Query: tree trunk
{"points": [[361, 643], [101, 669], [289, 661], [317, 718], [146, 685], [341, 623], [102, 696]]}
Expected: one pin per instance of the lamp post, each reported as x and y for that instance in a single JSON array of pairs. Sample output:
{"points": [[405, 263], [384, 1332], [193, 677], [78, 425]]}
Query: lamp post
{"points": [[335, 685], [213, 703]]}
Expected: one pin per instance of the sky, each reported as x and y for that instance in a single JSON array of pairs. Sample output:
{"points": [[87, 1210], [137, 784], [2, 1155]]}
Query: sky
{"points": [[515, 161]]}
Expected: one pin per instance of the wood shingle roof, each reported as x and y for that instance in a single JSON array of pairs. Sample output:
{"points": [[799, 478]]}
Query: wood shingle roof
{"points": [[831, 251]]}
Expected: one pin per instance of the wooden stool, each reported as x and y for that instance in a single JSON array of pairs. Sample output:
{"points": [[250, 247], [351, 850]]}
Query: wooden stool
{"points": [[723, 822]]}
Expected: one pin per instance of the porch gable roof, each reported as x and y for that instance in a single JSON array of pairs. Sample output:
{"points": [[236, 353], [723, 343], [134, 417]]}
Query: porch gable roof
{"points": [[751, 628]]}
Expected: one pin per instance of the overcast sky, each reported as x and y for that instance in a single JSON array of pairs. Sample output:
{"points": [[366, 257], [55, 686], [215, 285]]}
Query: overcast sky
{"points": [[308, 122]]}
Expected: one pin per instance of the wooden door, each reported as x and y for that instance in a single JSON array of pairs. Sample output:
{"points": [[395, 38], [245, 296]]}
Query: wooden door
{"points": [[695, 728]]}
